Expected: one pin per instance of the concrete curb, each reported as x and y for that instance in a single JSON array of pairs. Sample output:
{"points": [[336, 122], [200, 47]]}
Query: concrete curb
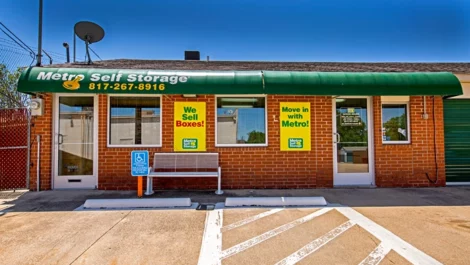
{"points": [[137, 203], [274, 201]]}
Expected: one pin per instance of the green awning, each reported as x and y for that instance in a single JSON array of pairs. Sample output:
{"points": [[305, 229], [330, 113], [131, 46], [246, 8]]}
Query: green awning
{"points": [[85, 80], [361, 84], [105, 81]]}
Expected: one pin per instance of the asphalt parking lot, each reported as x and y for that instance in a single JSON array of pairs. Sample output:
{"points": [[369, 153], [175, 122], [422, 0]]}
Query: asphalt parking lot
{"points": [[432, 233]]}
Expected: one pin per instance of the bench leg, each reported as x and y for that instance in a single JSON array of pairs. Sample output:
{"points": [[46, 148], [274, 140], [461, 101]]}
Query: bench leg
{"points": [[149, 186], [219, 183]]}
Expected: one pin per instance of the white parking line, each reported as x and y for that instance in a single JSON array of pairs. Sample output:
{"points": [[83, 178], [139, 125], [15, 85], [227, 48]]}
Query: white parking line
{"points": [[212, 239], [250, 219], [377, 255], [274, 232], [402, 247], [211, 248], [315, 244]]}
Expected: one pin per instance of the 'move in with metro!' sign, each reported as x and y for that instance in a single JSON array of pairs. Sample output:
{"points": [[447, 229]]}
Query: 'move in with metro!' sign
{"points": [[295, 126]]}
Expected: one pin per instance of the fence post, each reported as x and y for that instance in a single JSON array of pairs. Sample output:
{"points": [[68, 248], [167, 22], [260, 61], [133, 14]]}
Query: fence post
{"points": [[28, 160]]}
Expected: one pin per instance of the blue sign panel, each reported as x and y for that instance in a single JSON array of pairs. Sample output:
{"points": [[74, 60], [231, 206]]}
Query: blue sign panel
{"points": [[139, 163]]}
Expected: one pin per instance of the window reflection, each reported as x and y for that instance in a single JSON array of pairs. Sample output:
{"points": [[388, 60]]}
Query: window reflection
{"points": [[394, 122], [75, 137], [352, 135], [241, 120], [134, 121]]}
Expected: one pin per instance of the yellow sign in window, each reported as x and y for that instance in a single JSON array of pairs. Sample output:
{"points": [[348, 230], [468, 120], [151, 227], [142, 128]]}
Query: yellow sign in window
{"points": [[295, 126], [190, 126]]}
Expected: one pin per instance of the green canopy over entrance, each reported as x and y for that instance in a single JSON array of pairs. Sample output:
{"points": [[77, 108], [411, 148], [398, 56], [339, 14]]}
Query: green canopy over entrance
{"points": [[106, 81], [361, 84]]}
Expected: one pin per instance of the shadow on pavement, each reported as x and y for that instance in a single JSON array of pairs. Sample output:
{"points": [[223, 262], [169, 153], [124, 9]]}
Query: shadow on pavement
{"points": [[68, 200]]}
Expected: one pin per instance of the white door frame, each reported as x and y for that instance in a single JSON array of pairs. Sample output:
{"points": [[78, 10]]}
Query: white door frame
{"points": [[355, 179], [87, 181]]}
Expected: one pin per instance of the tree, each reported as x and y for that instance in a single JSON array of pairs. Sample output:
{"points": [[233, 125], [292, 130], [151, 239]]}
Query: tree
{"points": [[256, 137], [9, 95], [352, 133], [392, 127]]}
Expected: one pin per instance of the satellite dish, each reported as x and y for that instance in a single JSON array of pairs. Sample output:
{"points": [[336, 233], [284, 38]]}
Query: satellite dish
{"points": [[90, 33]]}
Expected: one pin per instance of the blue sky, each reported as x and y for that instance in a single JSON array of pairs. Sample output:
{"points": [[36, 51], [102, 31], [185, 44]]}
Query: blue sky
{"points": [[300, 30]]}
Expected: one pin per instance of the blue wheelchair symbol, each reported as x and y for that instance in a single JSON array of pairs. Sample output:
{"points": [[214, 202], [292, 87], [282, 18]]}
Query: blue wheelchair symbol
{"points": [[139, 163]]}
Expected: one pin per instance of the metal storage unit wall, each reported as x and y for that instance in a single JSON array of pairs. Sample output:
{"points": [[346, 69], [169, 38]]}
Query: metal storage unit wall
{"points": [[457, 140]]}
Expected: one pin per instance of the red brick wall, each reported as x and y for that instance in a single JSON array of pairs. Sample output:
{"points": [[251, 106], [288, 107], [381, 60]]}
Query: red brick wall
{"points": [[265, 167], [42, 125], [407, 165], [242, 167]]}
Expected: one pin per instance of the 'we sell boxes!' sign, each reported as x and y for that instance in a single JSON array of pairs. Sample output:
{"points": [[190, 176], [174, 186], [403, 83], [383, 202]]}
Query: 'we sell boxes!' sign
{"points": [[190, 126], [295, 126]]}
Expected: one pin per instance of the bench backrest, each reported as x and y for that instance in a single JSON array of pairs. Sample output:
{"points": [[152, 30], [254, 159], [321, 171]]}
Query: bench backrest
{"points": [[185, 160]]}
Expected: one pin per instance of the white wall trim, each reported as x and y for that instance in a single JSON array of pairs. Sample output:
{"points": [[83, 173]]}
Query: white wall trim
{"points": [[458, 183]]}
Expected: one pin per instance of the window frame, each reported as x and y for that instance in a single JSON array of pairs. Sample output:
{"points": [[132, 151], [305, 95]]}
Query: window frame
{"points": [[108, 126], [408, 128], [265, 119]]}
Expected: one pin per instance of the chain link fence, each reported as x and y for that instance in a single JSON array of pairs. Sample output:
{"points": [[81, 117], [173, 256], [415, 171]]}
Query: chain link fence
{"points": [[14, 116], [15, 119], [14, 148]]}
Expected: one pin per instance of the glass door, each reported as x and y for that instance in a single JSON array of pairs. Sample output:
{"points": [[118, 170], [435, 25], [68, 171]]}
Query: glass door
{"points": [[75, 134], [352, 142]]}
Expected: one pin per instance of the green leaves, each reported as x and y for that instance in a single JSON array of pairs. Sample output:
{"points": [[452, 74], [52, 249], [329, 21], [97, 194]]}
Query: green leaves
{"points": [[9, 96]]}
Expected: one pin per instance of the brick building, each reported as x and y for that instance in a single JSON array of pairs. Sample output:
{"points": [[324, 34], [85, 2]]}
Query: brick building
{"points": [[273, 124]]}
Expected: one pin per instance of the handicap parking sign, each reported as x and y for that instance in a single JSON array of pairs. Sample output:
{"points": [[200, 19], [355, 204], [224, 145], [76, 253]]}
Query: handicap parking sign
{"points": [[139, 163]]}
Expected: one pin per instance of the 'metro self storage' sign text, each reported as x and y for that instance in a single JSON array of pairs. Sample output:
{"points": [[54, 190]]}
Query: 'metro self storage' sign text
{"points": [[190, 126], [295, 126]]}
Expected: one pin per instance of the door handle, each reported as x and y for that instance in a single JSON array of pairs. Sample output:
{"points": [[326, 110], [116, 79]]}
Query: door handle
{"points": [[60, 138], [337, 138]]}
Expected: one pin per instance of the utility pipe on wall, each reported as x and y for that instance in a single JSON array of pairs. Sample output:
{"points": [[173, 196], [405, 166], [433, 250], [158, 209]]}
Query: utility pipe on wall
{"points": [[37, 162], [425, 112]]}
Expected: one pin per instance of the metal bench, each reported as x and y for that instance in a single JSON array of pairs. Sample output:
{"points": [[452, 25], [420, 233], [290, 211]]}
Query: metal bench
{"points": [[169, 165]]}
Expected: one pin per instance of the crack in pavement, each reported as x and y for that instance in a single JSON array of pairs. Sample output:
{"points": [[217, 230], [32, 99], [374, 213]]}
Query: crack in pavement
{"points": [[122, 218]]}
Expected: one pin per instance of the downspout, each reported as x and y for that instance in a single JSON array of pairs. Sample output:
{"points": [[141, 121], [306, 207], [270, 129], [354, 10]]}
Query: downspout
{"points": [[435, 144], [425, 114], [425, 117], [37, 162]]}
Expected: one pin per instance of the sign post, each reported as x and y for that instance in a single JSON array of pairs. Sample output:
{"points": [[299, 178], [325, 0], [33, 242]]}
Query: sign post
{"points": [[139, 168]]}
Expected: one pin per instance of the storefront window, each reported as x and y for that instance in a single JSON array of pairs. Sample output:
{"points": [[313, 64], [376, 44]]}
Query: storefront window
{"points": [[134, 121], [395, 123], [241, 121]]}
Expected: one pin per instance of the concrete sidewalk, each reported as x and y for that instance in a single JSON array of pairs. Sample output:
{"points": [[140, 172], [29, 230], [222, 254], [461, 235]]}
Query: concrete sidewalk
{"points": [[42, 228], [68, 200]]}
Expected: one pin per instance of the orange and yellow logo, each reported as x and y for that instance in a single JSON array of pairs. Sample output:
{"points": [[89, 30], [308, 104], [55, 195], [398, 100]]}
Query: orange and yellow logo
{"points": [[72, 84]]}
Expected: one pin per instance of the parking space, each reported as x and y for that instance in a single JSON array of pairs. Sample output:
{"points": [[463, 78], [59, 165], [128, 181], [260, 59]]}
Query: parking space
{"points": [[441, 232], [317, 235], [330, 235], [101, 237]]}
